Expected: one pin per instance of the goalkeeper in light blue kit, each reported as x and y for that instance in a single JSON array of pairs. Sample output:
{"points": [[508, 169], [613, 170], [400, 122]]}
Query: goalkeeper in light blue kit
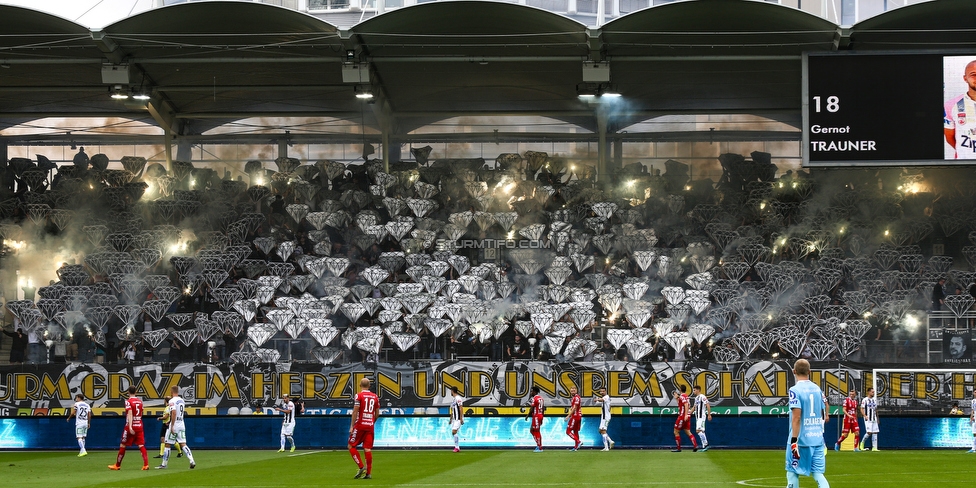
{"points": [[806, 455]]}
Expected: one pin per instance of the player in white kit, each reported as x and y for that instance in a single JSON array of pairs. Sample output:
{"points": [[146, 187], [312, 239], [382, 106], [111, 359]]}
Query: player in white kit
{"points": [[604, 401], [287, 423], [703, 411], [176, 434], [972, 421], [869, 411], [81, 411], [457, 416], [959, 116]]}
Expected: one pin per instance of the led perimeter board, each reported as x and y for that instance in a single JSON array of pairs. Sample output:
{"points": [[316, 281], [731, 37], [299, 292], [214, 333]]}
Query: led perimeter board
{"points": [[885, 109]]}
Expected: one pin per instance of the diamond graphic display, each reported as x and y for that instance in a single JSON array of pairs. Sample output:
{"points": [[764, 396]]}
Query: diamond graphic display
{"points": [[404, 340], [322, 331], [258, 334], [156, 337], [619, 337], [352, 311], [185, 337], [374, 275], [297, 211], [604, 209], [637, 350], [247, 308], [638, 318]]}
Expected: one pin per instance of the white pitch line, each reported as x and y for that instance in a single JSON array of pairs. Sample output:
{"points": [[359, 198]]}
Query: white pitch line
{"points": [[777, 480], [304, 453], [569, 483]]}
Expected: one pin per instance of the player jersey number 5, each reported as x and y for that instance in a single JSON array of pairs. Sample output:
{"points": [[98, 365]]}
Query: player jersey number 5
{"points": [[136, 408]]}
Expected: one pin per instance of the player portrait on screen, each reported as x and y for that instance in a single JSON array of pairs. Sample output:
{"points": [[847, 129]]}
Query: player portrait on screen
{"points": [[959, 112], [957, 347]]}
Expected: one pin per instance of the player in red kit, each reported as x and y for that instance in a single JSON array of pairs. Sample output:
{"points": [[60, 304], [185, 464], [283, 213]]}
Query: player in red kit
{"points": [[132, 435], [684, 420], [536, 412], [574, 418], [850, 421], [364, 413]]}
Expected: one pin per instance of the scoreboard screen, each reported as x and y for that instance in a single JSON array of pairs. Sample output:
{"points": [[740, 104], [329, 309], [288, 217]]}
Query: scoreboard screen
{"points": [[889, 109]]}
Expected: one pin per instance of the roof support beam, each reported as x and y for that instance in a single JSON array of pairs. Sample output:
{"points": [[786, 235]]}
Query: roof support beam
{"points": [[594, 40], [162, 113], [485, 137], [108, 47]]}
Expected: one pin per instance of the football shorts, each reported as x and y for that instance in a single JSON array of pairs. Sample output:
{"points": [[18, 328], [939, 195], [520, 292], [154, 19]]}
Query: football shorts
{"points": [[850, 424], [536, 422], [81, 431], [870, 427], [361, 436], [604, 423], [129, 439], [288, 429], [682, 424], [573, 424], [700, 424], [813, 459], [177, 435], [455, 425]]}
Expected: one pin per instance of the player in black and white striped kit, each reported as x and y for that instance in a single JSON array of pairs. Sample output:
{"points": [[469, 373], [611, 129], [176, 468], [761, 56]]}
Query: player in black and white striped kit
{"points": [[604, 400], [869, 411], [287, 422], [703, 411], [457, 416]]}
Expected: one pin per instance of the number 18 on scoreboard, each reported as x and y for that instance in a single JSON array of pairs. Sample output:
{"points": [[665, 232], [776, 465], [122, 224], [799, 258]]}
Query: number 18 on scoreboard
{"points": [[887, 109]]}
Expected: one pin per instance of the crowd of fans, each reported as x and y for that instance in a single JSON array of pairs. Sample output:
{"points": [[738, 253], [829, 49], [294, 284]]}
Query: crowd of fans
{"points": [[528, 257]]}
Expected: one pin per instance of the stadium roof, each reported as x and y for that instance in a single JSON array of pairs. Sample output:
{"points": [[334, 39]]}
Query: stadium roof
{"points": [[209, 63]]}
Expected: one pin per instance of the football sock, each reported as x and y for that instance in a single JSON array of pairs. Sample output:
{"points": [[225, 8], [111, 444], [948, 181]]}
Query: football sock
{"points": [[606, 441], [282, 441], [369, 462], [792, 480], [857, 440], [677, 441], [821, 481], [457, 439], [118, 459], [355, 456], [166, 456], [694, 443], [874, 441], [162, 447], [81, 443], [703, 438], [189, 455], [145, 455]]}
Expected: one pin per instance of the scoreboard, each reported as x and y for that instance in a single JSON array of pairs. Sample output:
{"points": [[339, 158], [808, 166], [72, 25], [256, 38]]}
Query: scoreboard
{"points": [[888, 109]]}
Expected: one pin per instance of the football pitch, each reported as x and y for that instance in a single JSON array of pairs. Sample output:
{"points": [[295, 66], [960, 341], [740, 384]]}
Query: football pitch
{"points": [[486, 468]]}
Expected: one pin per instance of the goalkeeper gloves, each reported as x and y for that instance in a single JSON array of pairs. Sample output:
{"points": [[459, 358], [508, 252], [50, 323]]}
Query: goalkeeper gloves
{"points": [[794, 449]]}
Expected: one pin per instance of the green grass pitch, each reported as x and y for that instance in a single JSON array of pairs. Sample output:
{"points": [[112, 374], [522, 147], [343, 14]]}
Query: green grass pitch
{"points": [[487, 468]]}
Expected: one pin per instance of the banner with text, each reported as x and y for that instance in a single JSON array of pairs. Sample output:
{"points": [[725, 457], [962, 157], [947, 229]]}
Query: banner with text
{"points": [[489, 388]]}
